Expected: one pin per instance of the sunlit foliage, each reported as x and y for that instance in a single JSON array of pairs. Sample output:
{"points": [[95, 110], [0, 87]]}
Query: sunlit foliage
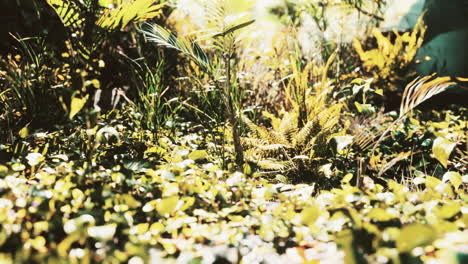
{"points": [[223, 131]]}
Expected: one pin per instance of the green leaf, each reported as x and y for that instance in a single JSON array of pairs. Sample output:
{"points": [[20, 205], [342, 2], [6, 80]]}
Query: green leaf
{"points": [[67, 11], [3, 170], [454, 178], [347, 178], [167, 206], [235, 28], [106, 132], [364, 108], [165, 38], [432, 182], [24, 132], [34, 158], [76, 105], [198, 155], [309, 215], [442, 148], [18, 167], [149, 206], [413, 236], [130, 11]]}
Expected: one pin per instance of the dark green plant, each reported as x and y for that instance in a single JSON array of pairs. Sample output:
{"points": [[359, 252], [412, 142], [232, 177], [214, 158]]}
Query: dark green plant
{"points": [[151, 100], [31, 82], [89, 22]]}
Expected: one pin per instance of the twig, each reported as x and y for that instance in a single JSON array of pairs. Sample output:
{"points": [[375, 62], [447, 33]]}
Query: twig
{"points": [[367, 13]]}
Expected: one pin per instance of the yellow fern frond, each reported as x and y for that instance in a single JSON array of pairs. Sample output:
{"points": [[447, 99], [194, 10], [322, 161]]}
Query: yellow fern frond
{"points": [[305, 133], [273, 165], [288, 124]]}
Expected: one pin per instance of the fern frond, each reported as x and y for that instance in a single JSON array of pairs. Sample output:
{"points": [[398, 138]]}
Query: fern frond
{"points": [[248, 142], [275, 122], [252, 155], [329, 117], [390, 164], [223, 21], [289, 124], [264, 133], [305, 133], [260, 131], [273, 147], [417, 92], [274, 165]]}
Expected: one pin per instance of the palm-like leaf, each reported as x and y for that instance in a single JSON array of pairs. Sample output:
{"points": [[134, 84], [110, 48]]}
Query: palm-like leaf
{"points": [[222, 23], [165, 38], [88, 20], [68, 12], [417, 92], [421, 89], [137, 10]]}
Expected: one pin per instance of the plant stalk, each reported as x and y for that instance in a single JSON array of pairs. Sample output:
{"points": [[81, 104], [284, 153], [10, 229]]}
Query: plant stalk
{"points": [[234, 119]]}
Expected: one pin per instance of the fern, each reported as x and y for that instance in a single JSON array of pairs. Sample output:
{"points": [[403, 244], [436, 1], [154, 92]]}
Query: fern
{"points": [[273, 165], [300, 136], [389, 62], [286, 147]]}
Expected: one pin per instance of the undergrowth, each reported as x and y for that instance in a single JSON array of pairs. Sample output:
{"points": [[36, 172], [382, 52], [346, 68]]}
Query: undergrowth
{"points": [[151, 133]]}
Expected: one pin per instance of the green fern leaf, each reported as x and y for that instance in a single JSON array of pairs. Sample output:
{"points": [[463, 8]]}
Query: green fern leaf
{"points": [[132, 11]]}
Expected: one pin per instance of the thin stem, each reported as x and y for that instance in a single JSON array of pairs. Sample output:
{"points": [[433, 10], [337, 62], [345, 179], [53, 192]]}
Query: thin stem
{"points": [[232, 114], [367, 13]]}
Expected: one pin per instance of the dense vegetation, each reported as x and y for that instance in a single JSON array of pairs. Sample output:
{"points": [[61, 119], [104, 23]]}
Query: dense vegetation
{"points": [[218, 131]]}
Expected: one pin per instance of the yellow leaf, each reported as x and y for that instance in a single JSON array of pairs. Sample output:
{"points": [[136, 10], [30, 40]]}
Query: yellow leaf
{"points": [[381, 215], [413, 236], [347, 178], [198, 155], [24, 132], [309, 215], [432, 182], [38, 243], [441, 149], [167, 206], [448, 210], [454, 178], [76, 105]]}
